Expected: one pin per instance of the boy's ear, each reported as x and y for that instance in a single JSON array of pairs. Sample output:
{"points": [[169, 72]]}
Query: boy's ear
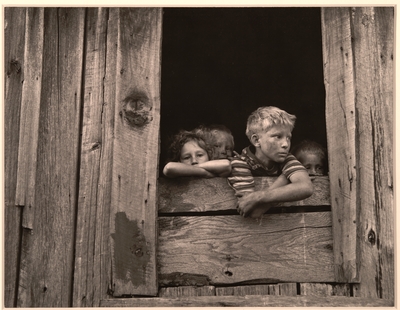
{"points": [[254, 140]]}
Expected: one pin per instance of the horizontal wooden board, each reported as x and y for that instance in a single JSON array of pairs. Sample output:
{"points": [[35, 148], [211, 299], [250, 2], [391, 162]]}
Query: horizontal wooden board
{"points": [[203, 195], [249, 301], [208, 250]]}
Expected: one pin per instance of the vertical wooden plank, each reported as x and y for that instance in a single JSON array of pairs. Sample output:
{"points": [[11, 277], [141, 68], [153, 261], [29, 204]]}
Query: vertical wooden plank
{"points": [[273, 289], [323, 289], [287, 289], [186, 291], [47, 250], [340, 122], [224, 291], [14, 46], [91, 278], [243, 290], [135, 152], [316, 289], [373, 56], [30, 108], [342, 289]]}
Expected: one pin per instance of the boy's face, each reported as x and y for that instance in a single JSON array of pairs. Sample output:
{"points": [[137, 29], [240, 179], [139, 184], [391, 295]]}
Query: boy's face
{"points": [[273, 144], [312, 162], [193, 154], [223, 147]]}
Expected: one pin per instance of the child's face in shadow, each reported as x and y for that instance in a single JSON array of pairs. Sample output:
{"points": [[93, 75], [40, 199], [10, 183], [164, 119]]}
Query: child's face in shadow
{"points": [[223, 147], [193, 154], [312, 162]]}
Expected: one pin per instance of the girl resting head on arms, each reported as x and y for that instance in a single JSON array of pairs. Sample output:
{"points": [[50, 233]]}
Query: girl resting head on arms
{"points": [[189, 155]]}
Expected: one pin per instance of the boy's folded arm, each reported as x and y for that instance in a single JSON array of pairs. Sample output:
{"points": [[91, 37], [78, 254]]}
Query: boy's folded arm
{"points": [[300, 187], [220, 167], [178, 169]]}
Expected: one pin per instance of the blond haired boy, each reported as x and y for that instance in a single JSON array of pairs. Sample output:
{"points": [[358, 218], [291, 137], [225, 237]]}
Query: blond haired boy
{"points": [[269, 130]]}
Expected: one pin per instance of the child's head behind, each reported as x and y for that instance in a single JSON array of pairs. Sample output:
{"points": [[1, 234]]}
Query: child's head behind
{"points": [[313, 157], [265, 117], [220, 138], [189, 148]]}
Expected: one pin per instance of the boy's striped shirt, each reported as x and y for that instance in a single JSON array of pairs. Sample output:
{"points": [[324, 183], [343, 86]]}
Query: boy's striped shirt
{"points": [[246, 166]]}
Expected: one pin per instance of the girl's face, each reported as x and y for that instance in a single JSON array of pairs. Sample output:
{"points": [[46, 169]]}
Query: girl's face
{"points": [[223, 147], [193, 154], [312, 162]]}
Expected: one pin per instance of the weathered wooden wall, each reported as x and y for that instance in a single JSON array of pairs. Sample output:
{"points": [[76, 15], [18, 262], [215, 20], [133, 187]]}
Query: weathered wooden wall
{"points": [[92, 270], [82, 104], [70, 72], [14, 35], [49, 106], [358, 63]]}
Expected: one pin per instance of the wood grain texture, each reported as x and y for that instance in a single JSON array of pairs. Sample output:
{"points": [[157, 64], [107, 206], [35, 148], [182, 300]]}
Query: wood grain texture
{"points": [[373, 32], [324, 289], [30, 110], [91, 274], [283, 289], [14, 47], [288, 289], [135, 151], [185, 291], [341, 137], [249, 301], [210, 250], [47, 250], [242, 290], [202, 195]]}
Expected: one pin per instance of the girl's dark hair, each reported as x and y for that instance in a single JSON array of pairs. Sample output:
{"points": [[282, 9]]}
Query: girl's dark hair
{"points": [[311, 147], [182, 137]]}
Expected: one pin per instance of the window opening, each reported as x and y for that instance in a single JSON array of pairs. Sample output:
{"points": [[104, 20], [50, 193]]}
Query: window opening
{"points": [[220, 64]]}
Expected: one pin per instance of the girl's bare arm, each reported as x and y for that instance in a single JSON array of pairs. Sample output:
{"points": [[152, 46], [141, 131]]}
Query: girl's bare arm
{"points": [[177, 169], [219, 167]]}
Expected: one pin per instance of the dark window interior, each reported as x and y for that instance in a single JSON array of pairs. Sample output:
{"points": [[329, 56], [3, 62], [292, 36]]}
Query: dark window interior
{"points": [[220, 64]]}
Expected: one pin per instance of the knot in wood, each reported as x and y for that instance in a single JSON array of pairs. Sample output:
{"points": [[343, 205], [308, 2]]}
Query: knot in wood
{"points": [[371, 237], [136, 110], [366, 20], [15, 66], [139, 252]]}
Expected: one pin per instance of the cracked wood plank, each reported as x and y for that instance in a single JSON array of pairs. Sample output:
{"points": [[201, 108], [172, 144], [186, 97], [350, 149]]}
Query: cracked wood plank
{"points": [[289, 247], [46, 267], [249, 301], [202, 195], [92, 273], [30, 110], [135, 151], [341, 137], [14, 47], [374, 70]]}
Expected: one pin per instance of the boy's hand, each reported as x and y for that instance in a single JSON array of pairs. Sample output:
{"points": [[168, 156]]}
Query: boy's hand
{"points": [[246, 204], [249, 205]]}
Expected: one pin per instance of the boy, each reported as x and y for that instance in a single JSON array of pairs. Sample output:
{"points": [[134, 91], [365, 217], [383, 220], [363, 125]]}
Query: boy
{"points": [[313, 157], [269, 130]]}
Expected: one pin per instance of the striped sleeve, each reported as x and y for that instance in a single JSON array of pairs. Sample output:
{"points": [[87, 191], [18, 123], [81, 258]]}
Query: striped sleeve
{"points": [[291, 165], [241, 179]]}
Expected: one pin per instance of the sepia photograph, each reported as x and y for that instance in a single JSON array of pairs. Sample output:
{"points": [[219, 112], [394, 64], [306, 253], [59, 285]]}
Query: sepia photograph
{"points": [[199, 156]]}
